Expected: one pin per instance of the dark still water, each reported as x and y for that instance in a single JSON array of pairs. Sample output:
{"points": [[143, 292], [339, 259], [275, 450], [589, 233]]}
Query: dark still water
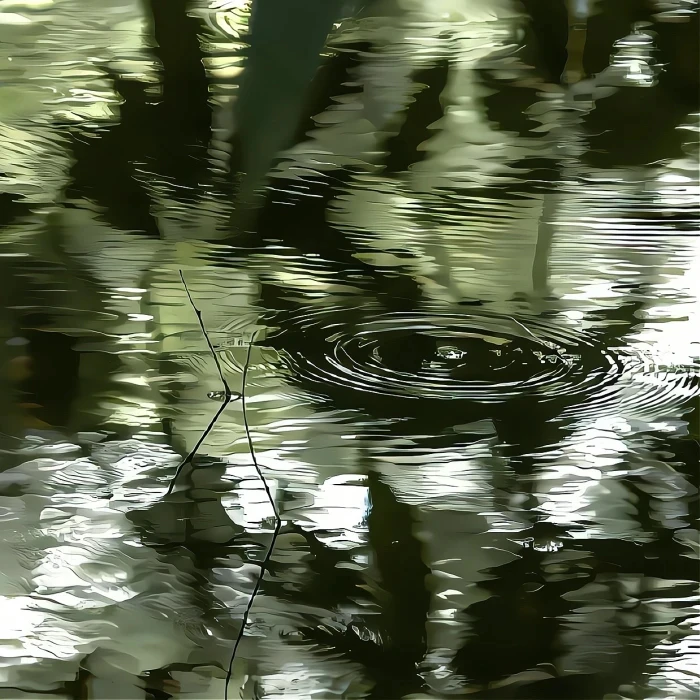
{"points": [[349, 349]]}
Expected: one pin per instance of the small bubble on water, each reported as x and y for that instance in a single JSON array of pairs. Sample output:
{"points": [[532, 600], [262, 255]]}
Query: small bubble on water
{"points": [[221, 396]]}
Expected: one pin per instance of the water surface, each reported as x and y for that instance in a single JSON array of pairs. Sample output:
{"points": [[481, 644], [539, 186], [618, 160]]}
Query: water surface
{"points": [[427, 268]]}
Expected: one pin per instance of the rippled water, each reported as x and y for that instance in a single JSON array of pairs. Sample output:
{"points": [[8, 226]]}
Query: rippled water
{"points": [[395, 302]]}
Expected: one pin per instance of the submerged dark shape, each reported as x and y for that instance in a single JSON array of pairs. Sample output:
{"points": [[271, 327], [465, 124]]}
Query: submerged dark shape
{"points": [[539, 598], [53, 393], [546, 36], [335, 78], [399, 562], [11, 207], [122, 200], [425, 109], [516, 627], [183, 114], [397, 642]]}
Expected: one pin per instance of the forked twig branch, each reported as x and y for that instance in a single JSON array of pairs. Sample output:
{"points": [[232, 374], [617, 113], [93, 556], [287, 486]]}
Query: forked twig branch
{"points": [[278, 521], [227, 394]]}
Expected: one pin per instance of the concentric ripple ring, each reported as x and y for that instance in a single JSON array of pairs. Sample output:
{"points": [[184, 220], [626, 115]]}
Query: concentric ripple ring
{"points": [[479, 357]]}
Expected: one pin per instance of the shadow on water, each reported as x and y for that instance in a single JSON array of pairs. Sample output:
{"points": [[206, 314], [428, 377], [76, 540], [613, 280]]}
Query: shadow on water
{"points": [[425, 109], [391, 647], [158, 135]]}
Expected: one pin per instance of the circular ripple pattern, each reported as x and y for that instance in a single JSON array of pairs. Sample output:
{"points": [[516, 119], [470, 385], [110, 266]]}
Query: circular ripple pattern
{"points": [[446, 357]]}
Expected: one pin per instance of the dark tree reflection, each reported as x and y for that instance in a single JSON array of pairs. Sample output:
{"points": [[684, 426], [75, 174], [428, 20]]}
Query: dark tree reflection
{"points": [[444, 252]]}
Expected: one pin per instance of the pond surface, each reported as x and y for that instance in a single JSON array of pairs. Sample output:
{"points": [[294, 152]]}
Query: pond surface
{"points": [[395, 303]]}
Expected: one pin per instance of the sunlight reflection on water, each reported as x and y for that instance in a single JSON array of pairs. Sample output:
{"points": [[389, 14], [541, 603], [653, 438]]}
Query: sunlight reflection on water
{"points": [[471, 292]]}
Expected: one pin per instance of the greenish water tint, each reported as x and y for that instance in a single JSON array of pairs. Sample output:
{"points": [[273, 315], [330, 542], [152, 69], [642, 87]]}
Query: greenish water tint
{"points": [[427, 267]]}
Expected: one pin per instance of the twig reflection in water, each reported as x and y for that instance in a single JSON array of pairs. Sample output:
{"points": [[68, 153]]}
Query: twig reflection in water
{"points": [[229, 396]]}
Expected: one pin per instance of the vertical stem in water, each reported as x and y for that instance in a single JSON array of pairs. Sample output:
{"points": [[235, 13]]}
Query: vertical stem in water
{"points": [[565, 137], [579, 11], [543, 248]]}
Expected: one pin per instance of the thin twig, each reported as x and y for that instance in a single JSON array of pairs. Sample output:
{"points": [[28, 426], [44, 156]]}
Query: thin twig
{"points": [[278, 520], [227, 393], [546, 343], [278, 524]]}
